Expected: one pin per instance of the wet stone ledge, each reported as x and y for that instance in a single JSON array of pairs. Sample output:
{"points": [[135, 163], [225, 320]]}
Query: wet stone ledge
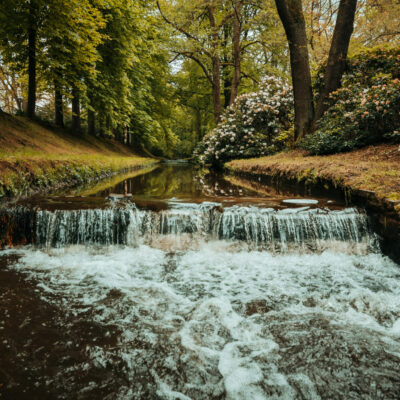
{"points": [[16, 227]]}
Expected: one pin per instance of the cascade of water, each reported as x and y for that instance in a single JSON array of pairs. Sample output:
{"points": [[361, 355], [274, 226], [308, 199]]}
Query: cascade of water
{"points": [[260, 228]]}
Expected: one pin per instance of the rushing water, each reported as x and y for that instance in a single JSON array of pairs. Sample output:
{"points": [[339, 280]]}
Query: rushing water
{"points": [[205, 288]]}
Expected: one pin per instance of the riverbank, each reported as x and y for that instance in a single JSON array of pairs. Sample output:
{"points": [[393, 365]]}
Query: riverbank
{"points": [[368, 177], [37, 158]]}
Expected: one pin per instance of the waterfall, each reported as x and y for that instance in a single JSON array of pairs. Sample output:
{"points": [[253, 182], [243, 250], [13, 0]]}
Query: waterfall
{"points": [[260, 228]]}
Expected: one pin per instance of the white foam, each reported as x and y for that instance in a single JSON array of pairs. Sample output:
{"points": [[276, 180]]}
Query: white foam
{"points": [[214, 312], [300, 201]]}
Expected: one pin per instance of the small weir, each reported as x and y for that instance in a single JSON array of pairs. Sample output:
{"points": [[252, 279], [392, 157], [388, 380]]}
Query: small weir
{"points": [[174, 286], [260, 228]]}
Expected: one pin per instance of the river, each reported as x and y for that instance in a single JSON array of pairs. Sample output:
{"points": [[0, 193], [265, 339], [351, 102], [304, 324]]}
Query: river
{"points": [[175, 284]]}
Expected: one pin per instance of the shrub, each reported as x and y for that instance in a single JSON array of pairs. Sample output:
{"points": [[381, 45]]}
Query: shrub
{"points": [[256, 124], [366, 109]]}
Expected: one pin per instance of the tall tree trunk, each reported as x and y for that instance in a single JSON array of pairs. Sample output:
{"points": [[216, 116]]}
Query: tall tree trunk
{"points": [[76, 111], [58, 103], [199, 135], [292, 17], [216, 89], [91, 123], [227, 87], [337, 54], [237, 30], [227, 81], [32, 37], [216, 65]]}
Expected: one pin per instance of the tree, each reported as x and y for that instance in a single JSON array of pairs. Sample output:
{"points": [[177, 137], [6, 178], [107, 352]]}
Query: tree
{"points": [[337, 54], [20, 22], [70, 37], [237, 50], [378, 22], [10, 90], [291, 14], [32, 39], [217, 35], [292, 17], [201, 26]]}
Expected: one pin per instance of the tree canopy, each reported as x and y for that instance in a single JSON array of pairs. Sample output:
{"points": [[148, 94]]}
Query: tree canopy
{"points": [[160, 75]]}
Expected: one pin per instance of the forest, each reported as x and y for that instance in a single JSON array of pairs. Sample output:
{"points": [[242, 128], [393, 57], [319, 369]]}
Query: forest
{"points": [[209, 79]]}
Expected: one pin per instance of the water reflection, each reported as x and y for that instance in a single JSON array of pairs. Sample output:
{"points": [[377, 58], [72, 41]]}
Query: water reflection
{"points": [[184, 182], [160, 186]]}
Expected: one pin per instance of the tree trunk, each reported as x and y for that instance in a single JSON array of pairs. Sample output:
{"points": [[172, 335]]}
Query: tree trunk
{"points": [[32, 37], [337, 54], [125, 140], [227, 80], [76, 111], [216, 66], [227, 87], [15, 93], [91, 123], [199, 135], [58, 103], [292, 17], [237, 30]]}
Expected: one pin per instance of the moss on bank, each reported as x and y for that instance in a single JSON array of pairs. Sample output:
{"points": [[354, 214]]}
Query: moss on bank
{"points": [[34, 158], [373, 171], [20, 177]]}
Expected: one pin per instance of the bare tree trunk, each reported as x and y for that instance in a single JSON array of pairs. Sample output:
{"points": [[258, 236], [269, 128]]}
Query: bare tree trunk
{"points": [[76, 111], [337, 54], [216, 65], [58, 103], [32, 37], [292, 17], [237, 30]]}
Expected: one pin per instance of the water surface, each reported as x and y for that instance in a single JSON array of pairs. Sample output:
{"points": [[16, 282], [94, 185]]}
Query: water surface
{"points": [[198, 286], [180, 182]]}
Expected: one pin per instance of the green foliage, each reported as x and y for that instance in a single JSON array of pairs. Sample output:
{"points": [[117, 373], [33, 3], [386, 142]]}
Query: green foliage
{"points": [[366, 109], [69, 39], [367, 63]]}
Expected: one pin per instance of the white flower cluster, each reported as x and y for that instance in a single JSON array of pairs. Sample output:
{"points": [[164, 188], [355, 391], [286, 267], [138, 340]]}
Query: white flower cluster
{"points": [[250, 125]]}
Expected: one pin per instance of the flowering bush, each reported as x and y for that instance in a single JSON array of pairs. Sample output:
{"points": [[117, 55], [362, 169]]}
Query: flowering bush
{"points": [[254, 125], [364, 66], [366, 109]]}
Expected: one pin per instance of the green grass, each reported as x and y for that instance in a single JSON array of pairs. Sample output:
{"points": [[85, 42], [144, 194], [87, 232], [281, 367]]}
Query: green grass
{"points": [[34, 157]]}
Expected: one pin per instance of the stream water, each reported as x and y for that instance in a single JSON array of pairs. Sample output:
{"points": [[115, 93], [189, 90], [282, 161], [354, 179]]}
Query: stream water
{"points": [[176, 285]]}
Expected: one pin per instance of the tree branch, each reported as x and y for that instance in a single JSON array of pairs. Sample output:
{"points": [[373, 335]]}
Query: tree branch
{"points": [[190, 55], [180, 29], [250, 77]]}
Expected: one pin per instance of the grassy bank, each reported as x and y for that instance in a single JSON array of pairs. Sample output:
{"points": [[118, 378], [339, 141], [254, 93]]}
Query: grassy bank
{"points": [[373, 171], [33, 157]]}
